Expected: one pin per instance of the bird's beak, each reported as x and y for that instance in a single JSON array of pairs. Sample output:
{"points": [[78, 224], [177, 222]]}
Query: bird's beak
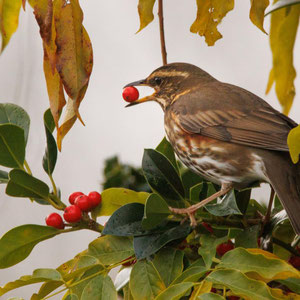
{"points": [[144, 99]]}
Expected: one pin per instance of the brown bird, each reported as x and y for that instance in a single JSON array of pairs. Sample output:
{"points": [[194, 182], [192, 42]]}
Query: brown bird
{"points": [[225, 133]]}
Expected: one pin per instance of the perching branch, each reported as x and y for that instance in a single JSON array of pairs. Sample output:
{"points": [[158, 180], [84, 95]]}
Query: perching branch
{"points": [[162, 32]]}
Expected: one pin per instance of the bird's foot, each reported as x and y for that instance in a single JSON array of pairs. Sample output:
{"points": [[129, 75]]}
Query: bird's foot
{"points": [[190, 212]]}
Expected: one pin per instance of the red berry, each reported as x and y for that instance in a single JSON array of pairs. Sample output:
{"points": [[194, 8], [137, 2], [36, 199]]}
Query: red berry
{"points": [[55, 220], [207, 227], [224, 247], [130, 94], [72, 214], [95, 198], [295, 261], [129, 263], [73, 196], [83, 202], [233, 298], [213, 290]]}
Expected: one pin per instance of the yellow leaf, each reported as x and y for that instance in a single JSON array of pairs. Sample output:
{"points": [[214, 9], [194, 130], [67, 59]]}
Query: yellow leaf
{"points": [[257, 13], [204, 287], [293, 142], [209, 15], [9, 19], [279, 294], [145, 9], [284, 24]]}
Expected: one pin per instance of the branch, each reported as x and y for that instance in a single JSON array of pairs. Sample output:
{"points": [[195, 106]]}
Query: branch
{"points": [[162, 32]]}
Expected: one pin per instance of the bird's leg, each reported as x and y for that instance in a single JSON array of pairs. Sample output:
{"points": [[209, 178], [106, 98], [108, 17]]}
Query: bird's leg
{"points": [[190, 211]]}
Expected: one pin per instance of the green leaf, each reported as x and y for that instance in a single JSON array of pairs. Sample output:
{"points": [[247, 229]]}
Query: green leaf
{"points": [[144, 246], [9, 19], [16, 244], [38, 275], [99, 288], [162, 177], [281, 4], [248, 237], [21, 184], [241, 285], [14, 114], [175, 292], [169, 264], [126, 221], [12, 146], [71, 297], [166, 149], [208, 247], [47, 288], [259, 261], [145, 282], [191, 274], [292, 283], [210, 296], [156, 211], [50, 156], [198, 192], [145, 9], [226, 206], [111, 249], [114, 198], [293, 141], [242, 199], [189, 179], [3, 177]]}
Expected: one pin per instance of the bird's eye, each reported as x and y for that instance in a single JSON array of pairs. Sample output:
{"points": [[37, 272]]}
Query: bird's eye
{"points": [[157, 80]]}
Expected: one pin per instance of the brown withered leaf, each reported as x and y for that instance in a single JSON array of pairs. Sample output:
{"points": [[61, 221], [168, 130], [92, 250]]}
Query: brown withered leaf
{"points": [[145, 9], [209, 15], [24, 4], [55, 89], [257, 13], [284, 24], [9, 19]]}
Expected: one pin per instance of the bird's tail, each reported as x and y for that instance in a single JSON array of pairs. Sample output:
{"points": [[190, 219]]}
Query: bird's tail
{"points": [[284, 177]]}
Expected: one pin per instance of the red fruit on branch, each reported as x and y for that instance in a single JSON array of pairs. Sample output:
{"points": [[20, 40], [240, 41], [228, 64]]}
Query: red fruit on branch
{"points": [[129, 263], [130, 94], [73, 196], [224, 247], [55, 220], [83, 202], [207, 227], [72, 214], [95, 198], [295, 261]]}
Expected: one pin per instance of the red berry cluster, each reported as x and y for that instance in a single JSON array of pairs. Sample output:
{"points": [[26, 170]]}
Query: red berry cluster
{"points": [[225, 247], [295, 260], [73, 213]]}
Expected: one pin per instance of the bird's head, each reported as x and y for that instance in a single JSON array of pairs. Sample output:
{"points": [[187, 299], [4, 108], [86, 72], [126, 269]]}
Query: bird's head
{"points": [[170, 82]]}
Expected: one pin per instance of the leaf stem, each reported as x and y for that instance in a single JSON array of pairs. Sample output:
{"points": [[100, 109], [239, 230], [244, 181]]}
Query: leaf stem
{"points": [[53, 185], [162, 32], [285, 246], [27, 167]]}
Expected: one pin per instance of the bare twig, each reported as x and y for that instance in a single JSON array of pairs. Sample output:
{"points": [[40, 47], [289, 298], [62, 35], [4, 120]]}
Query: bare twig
{"points": [[162, 32]]}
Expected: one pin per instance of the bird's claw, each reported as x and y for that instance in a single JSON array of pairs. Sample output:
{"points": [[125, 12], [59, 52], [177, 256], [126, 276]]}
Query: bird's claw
{"points": [[185, 211]]}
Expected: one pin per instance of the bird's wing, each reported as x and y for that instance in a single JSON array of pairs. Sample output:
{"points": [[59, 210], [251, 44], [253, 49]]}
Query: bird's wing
{"points": [[232, 114]]}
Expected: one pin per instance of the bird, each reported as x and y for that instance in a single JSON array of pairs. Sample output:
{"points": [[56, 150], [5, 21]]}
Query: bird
{"points": [[224, 133]]}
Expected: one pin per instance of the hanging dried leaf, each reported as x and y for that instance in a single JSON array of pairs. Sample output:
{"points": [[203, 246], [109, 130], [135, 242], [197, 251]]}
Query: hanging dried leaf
{"points": [[145, 9], [23, 4], [209, 15], [257, 13], [284, 24], [9, 19]]}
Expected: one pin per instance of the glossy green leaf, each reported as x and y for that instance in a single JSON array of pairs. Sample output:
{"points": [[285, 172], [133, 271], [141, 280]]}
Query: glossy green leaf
{"points": [[292, 283], [145, 9], [12, 146], [169, 264], [224, 207], [166, 149], [175, 292], [199, 192], [281, 4], [3, 177], [156, 211], [248, 237], [269, 267], [189, 179], [47, 288], [126, 221], [38, 275], [114, 198], [16, 244], [111, 249], [14, 114], [99, 288], [191, 274], [21, 184], [145, 282], [50, 156], [210, 296], [144, 246], [163, 177], [242, 199], [241, 285]]}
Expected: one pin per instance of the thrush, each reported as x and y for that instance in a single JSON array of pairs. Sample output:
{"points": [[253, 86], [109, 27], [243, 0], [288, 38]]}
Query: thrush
{"points": [[225, 133]]}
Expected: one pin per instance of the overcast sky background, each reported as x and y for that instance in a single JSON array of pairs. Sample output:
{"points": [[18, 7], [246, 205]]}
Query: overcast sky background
{"points": [[242, 58]]}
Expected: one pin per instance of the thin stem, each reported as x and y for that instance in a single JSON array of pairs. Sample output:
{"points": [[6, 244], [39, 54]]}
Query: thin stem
{"points": [[162, 32], [53, 185], [27, 167], [285, 246]]}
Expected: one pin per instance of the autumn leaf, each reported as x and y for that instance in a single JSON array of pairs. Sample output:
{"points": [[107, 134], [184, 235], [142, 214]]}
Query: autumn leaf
{"points": [[145, 9], [257, 13], [209, 15], [293, 141], [284, 24], [9, 19]]}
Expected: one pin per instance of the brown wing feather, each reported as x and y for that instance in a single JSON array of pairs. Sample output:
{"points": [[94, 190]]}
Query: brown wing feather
{"points": [[230, 113]]}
